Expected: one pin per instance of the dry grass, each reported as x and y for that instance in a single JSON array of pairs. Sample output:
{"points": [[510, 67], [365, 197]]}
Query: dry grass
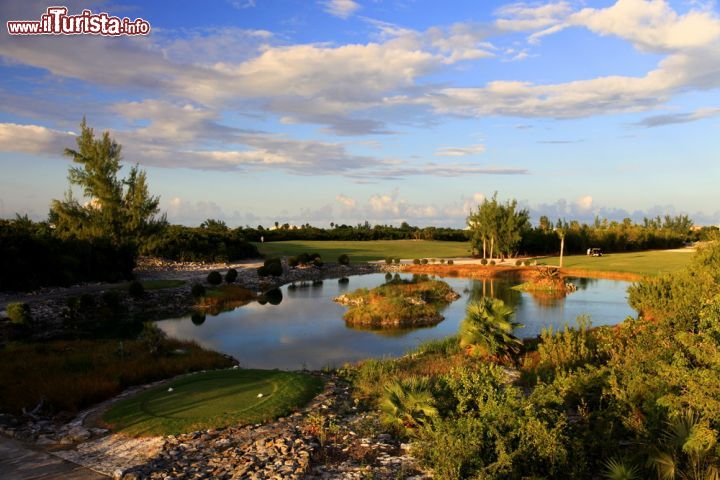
{"points": [[68, 375]]}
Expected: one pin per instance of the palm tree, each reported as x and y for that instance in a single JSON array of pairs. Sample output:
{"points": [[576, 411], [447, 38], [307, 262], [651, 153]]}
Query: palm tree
{"points": [[407, 404], [686, 450], [620, 469], [488, 329]]}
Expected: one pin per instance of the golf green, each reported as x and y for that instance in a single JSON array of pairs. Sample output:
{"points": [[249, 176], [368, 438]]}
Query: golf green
{"points": [[213, 400]]}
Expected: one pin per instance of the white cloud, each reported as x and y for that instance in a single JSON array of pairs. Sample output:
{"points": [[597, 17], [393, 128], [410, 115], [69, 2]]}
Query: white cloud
{"points": [[460, 151], [341, 8], [346, 202], [34, 139], [584, 203], [672, 118]]}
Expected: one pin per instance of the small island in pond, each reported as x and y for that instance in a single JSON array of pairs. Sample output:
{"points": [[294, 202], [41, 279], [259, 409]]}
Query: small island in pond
{"points": [[398, 304], [547, 282]]}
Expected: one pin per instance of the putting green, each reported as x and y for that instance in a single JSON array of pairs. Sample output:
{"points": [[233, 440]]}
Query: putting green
{"points": [[213, 400]]}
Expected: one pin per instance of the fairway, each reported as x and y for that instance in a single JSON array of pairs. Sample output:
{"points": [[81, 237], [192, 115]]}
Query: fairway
{"points": [[650, 262], [365, 251], [213, 400]]}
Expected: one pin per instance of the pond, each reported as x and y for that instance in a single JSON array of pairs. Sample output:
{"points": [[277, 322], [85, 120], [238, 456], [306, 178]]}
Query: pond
{"points": [[304, 328]]}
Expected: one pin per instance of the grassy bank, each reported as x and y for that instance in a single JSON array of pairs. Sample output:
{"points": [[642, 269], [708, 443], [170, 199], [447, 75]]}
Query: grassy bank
{"points": [[68, 375], [213, 400], [367, 251], [651, 262]]}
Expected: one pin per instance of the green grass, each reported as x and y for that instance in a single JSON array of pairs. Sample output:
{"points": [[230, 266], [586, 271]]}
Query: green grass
{"points": [[650, 262], [363, 251], [213, 400]]}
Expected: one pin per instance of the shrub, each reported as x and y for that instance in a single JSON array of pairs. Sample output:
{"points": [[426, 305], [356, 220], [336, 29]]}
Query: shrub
{"points": [[293, 262], [518, 263], [442, 261], [492, 262], [111, 298], [231, 275], [424, 261], [273, 267], [451, 262], [318, 262], [303, 259], [198, 290], [345, 260], [416, 261], [214, 278], [397, 261], [388, 261], [345, 280], [483, 261], [313, 256], [526, 263], [136, 289], [19, 313]]}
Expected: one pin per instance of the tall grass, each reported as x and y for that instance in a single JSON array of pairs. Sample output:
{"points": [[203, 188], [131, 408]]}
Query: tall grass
{"points": [[68, 375]]}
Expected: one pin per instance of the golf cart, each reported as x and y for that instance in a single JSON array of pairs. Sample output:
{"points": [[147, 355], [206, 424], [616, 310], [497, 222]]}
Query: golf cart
{"points": [[594, 252]]}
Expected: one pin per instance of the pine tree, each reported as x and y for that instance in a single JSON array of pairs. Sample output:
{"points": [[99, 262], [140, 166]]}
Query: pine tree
{"points": [[119, 210]]}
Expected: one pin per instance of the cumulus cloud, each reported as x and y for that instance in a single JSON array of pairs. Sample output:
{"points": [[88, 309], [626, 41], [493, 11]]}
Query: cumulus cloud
{"points": [[34, 139], [460, 151], [341, 8], [346, 202]]}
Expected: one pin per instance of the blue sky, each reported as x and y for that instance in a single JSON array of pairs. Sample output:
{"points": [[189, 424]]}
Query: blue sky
{"points": [[388, 111]]}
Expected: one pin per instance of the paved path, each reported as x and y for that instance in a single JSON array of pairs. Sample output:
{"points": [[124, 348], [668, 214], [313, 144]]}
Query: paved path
{"points": [[20, 462]]}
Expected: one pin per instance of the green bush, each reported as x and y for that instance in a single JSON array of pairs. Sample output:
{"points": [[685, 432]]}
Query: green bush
{"points": [[231, 275], [388, 261], [318, 262], [526, 263], [198, 290], [214, 278], [492, 262], [483, 261], [451, 262], [345, 260], [442, 261], [19, 313], [416, 261], [397, 261], [424, 261], [293, 262], [136, 289], [518, 263], [273, 267]]}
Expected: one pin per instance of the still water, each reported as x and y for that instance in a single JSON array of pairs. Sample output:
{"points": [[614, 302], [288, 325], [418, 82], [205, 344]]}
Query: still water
{"points": [[306, 329]]}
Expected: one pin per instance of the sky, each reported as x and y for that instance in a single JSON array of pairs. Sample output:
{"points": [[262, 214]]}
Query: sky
{"points": [[319, 111]]}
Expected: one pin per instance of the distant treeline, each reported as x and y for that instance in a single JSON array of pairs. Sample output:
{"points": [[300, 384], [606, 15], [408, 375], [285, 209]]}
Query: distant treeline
{"points": [[200, 244], [353, 233]]}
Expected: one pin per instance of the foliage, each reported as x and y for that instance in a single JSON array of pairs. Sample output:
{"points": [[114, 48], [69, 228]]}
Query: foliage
{"points": [[271, 267], [407, 404], [345, 260], [204, 244], [197, 290], [19, 313], [121, 211], [497, 226], [96, 370], [29, 250], [399, 304], [487, 329], [136, 289], [214, 278], [231, 275]]}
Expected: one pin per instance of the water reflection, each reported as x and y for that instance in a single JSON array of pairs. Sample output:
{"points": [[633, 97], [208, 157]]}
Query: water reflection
{"points": [[299, 325]]}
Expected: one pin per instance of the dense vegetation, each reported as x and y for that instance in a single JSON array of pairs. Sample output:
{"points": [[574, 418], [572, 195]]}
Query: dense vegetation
{"points": [[68, 375], [363, 231], [398, 303], [207, 243], [640, 400]]}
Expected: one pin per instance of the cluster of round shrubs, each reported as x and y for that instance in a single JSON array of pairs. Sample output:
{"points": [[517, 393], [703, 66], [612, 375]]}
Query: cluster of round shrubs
{"points": [[304, 259], [390, 261]]}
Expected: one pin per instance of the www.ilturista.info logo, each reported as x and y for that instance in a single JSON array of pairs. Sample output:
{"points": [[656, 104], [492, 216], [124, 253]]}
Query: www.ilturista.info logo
{"points": [[56, 21]]}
